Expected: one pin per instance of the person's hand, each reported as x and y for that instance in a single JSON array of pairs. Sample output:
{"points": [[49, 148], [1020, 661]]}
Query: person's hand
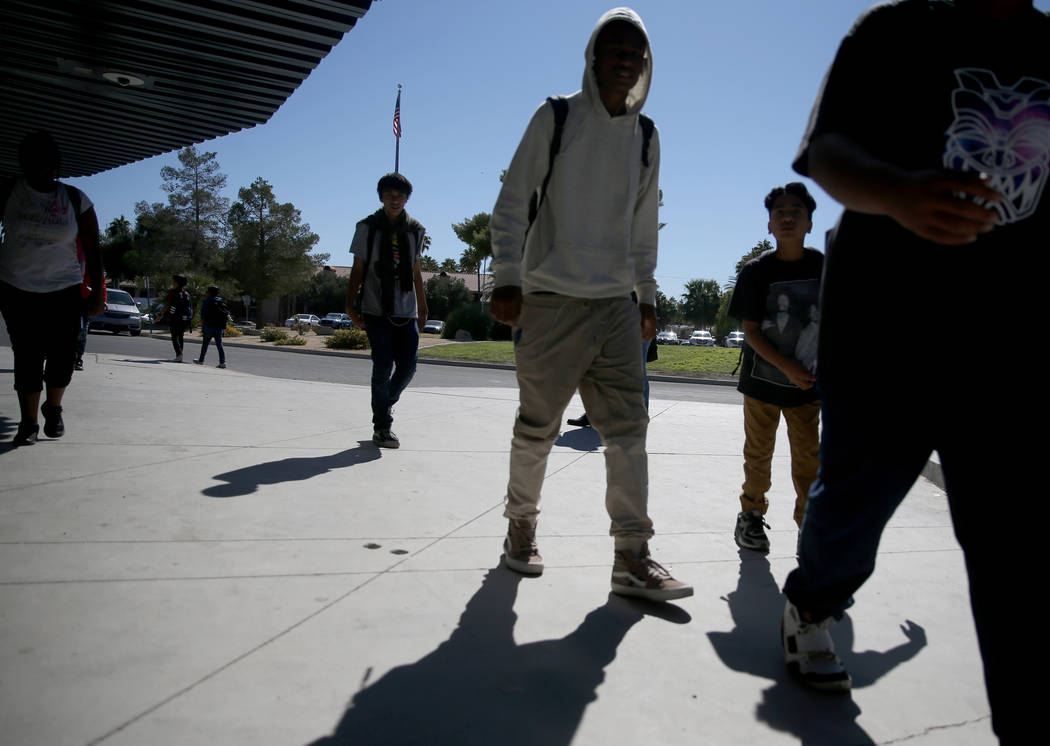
{"points": [[358, 320], [798, 374], [96, 303], [649, 322], [505, 305], [939, 206], [421, 320]]}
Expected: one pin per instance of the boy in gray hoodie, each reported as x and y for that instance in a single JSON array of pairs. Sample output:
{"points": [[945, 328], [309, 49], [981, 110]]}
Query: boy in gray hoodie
{"points": [[565, 267]]}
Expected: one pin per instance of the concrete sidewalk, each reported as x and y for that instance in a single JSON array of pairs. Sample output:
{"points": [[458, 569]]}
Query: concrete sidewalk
{"points": [[209, 557]]}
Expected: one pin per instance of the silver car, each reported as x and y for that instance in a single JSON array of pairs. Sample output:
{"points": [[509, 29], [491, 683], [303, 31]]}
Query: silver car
{"points": [[302, 319], [121, 314], [735, 339]]}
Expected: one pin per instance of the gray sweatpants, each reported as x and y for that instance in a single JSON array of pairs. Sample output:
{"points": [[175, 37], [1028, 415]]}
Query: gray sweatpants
{"points": [[562, 344]]}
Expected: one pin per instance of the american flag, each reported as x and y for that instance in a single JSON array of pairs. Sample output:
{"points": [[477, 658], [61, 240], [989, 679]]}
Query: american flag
{"points": [[397, 116]]}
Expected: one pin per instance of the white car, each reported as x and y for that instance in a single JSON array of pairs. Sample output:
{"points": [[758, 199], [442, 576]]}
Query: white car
{"points": [[302, 319], [121, 314], [701, 338], [666, 338], [433, 326], [735, 339]]}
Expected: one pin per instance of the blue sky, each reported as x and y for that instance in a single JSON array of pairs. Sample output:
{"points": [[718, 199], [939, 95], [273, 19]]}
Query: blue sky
{"points": [[733, 83]]}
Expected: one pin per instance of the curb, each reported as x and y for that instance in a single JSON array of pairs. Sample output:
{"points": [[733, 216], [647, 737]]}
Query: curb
{"points": [[659, 377]]}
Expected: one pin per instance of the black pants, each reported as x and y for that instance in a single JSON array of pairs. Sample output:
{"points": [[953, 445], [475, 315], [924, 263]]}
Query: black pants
{"points": [[178, 329], [43, 328]]}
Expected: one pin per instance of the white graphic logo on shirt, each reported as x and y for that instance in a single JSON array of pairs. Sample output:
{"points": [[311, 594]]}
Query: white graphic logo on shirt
{"points": [[1005, 133]]}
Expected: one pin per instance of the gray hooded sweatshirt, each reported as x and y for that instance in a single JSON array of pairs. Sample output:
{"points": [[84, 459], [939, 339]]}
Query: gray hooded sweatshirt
{"points": [[595, 235]]}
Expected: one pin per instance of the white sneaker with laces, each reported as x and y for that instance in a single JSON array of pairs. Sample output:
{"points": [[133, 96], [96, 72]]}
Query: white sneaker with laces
{"points": [[810, 653]]}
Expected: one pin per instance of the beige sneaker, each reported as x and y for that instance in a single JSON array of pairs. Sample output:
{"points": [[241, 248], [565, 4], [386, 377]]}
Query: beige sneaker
{"points": [[644, 577], [519, 548]]}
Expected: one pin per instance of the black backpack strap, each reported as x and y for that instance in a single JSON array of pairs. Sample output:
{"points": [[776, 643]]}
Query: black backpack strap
{"points": [[560, 106], [647, 135], [74, 200]]}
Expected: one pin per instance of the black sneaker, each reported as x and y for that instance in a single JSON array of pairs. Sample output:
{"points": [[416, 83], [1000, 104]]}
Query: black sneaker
{"points": [[53, 426], [26, 435], [750, 533], [581, 421], [78, 365], [385, 439]]}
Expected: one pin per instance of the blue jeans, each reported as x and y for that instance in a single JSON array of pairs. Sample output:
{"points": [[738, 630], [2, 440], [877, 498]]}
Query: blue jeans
{"points": [[874, 447], [394, 343], [209, 333]]}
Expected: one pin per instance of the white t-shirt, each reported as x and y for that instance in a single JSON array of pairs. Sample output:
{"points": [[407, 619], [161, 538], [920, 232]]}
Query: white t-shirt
{"points": [[38, 253]]}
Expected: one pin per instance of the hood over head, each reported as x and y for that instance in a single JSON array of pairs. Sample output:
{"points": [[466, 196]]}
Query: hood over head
{"points": [[638, 93]]}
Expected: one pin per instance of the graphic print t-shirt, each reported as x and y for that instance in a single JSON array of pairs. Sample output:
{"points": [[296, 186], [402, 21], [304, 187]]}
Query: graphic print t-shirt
{"points": [[404, 298], [933, 84], [39, 249], [783, 299]]}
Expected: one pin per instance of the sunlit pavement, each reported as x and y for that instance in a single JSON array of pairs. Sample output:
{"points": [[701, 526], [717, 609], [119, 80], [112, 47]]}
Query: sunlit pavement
{"points": [[208, 557]]}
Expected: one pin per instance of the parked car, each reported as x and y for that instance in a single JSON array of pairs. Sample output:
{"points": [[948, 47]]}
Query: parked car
{"points": [[701, 338], [121, 314], [735, 339], [337, 321], [244, 324], [433, 326], [666, 338], [302, 319]]}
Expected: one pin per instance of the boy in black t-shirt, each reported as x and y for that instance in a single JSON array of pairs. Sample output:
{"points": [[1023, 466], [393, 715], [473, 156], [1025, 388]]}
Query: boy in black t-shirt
{"points": [[933, 130], [775, 299]]}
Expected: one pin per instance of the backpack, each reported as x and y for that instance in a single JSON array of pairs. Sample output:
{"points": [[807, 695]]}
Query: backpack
{"points": [[214, 312], [561, 112], [182, 309]]}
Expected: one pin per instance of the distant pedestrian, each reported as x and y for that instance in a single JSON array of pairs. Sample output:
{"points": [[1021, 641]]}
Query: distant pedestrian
{"points": [[178, 312], [565, 270], [41, 279], [768, 299], [393, 307], [214, 317]]}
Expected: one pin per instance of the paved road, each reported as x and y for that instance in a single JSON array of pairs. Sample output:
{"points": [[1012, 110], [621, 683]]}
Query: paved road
{"points": [[295, 365]]}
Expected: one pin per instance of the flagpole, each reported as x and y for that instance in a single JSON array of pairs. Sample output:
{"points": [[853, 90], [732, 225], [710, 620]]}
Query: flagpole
{"points": [[397, 131]]}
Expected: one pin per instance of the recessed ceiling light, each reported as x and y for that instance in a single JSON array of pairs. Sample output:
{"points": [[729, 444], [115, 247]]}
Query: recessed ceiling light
{"points": [[123, 79]]}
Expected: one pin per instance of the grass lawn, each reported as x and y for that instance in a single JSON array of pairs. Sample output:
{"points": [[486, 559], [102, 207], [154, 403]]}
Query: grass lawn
{"points": [[672, 359]]}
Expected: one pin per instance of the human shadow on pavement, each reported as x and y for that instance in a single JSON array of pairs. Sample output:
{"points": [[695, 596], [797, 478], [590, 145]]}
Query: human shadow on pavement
{"points": [[8, 427], [754, 647], [247, 480], [480, 687], [580, 439]]}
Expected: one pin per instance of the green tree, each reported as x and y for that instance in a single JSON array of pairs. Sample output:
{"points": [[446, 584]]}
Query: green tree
{"points": [[325, 293], [444, 295], [667, 310], [194, 195], [476, 234], [158, 244], [723, 322], [700, 302], [269, 254], [117, 243], [448, 265], [759, 248], [428, 263]]}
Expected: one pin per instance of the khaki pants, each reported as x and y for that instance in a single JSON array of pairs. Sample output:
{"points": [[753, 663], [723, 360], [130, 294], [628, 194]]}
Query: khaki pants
{"points": [[562, 344], [760, 436]]}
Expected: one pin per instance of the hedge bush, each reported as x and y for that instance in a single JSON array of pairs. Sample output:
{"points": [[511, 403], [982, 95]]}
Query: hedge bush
{"points": [[232, 331], [472, 318], [273, 334], [286, 340], [347, 339]]}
